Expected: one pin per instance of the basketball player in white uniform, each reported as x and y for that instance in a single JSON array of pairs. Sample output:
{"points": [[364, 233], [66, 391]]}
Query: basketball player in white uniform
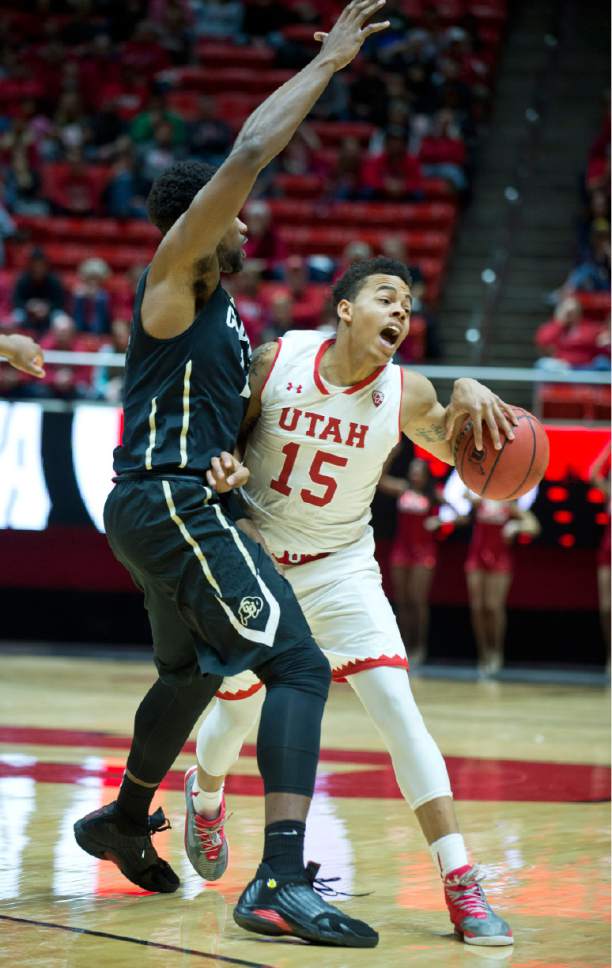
{"points": [[323, 417]]}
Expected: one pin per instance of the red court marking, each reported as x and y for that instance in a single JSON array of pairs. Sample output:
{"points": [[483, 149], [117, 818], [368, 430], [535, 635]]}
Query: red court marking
{"points": [[472, 778]]}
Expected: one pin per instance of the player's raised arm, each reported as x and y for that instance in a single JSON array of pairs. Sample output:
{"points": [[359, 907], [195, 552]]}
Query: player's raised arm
{"points": [[264, 134], [427, 423], [22, 353]]}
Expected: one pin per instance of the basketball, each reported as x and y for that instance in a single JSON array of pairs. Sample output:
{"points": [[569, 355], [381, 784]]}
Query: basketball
{"points": [[503, 475]]}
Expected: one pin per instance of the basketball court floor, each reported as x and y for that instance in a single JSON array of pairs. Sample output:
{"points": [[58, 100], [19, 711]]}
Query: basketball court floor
{"points": [[529, 765]]}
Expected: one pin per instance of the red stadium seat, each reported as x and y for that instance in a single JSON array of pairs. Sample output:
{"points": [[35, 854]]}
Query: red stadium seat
{"points": [[570, 402], [300, 186], [66, 256], [333, 133], [210, 80], [235, 108], [331, 240], [419, 215], [184, 103], [595, 305]]}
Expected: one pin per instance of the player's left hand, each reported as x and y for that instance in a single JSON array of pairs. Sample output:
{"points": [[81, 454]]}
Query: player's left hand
{"points": [[25, 355], [471, 399], [226, 473]]}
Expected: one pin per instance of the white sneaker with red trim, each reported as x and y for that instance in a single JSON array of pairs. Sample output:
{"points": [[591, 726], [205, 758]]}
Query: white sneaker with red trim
{"points": [[205, 841], [472, 916]]}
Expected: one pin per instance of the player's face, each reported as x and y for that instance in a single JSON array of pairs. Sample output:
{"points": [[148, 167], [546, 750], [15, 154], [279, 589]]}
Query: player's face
{"points": [[230, 253], [379, 316], [417, 474]]}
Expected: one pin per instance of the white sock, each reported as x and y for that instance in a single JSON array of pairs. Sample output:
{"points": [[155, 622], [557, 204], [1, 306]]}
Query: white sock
{"points": [[207, 804], [449, 853]]}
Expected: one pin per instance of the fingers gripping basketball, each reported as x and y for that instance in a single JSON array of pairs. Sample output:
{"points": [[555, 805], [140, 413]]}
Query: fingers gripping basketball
{"points": [[506, 474]]}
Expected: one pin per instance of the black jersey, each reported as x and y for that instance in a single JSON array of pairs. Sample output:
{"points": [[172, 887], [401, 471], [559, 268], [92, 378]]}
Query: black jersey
{"points": [[184, 397]]}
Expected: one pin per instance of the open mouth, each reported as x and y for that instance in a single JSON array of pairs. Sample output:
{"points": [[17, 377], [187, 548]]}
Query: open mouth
{"points": [[390, 334]]}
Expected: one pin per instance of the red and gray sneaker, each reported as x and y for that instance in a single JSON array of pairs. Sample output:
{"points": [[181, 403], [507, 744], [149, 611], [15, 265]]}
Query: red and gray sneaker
{"points": [[472, 916], [289, 905], [205, 841]]}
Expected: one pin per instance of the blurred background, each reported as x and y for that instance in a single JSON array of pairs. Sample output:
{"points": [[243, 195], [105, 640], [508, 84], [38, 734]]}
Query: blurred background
{"points": [[471, 140]]}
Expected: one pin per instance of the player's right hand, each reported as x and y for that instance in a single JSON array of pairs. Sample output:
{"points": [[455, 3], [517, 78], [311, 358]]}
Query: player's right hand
{"points": [[226, 473], [25, 355], [344, 40]]}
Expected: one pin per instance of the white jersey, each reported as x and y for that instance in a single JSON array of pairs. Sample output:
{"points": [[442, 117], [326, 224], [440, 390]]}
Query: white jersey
{"points": [[317, 451]]}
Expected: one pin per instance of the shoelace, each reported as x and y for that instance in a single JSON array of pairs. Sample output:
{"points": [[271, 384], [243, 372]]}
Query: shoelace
{"points": [[465, 891], [209, 836], [158, 822], [322, 884]]}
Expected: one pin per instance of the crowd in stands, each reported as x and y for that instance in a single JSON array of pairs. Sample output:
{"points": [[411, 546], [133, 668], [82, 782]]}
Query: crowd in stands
{"points": [[97, 99], [578, 335]]}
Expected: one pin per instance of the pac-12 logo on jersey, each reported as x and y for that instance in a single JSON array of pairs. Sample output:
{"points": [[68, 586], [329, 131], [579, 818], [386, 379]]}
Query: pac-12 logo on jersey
{"points": [[249, 608], [377, 397]]}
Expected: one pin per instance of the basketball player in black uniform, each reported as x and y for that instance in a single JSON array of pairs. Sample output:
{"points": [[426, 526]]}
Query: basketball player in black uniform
{"points": [[215, 602]]}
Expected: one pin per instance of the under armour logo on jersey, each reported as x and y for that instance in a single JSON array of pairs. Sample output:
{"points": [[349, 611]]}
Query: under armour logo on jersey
{"points": [[377, 397], [249, 609], [298, 388]]}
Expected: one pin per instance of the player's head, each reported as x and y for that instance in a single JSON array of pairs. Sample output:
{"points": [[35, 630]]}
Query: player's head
{"points": [[172, 194], [373, 303]]}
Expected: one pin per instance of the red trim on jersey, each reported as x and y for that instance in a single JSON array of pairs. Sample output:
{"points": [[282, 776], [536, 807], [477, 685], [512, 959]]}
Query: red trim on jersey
{"points": [[360, 665], [285, 558], [317, 377], [355, 386], [242, 693], [265, 382], [399, 416]]}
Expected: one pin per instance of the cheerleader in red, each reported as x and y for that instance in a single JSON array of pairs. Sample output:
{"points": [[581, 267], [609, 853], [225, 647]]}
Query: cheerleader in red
{"points": [[603, 555], [414, 554], [488, 569]]}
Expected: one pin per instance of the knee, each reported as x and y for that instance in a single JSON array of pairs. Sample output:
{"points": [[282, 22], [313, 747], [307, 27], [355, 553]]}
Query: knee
{"points": [[303, 667]]}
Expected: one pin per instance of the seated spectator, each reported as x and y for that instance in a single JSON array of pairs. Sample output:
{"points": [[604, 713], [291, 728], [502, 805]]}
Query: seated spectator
{"points": [[67, 382], [219, 18], [356, 251], [124, 293], [125, 191], [91, 303], [107, 382], [280, 318], [300, 155], [7, 228], [597, 207], [593, 274], [144, 125], [159, 154], [143, 52], [368, 93], [572, 342], [345, 178], [263, 245], [104, 133], [70, 123], [251, 304], [394, 247], [443, 154], [174, 20], [38, 295], [210, 137], [306, 299], [393, 175], [76, 189]]}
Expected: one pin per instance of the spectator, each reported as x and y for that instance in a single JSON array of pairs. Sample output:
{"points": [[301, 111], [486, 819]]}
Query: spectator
{"points": [[593, 274], [263, 245], [443, 153], [306, 299], [76, 188], [300, 155], [104, 132], [393, 175], [143, 52], [70, 123], [159, 154], [91, 305], [67, 382], [210, 137], [7, 230], [394, 247], [280, 318], [125, 190], [125, 292], [38, 295], [145, 124], [98, 66], [368, 93], [219, 18], [345, 179], [570, 341], [250, 301], [107, 383]]}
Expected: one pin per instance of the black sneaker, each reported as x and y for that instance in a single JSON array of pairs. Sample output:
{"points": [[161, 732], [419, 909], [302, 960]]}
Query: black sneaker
{"points": [[106, 834], [274, 904]]}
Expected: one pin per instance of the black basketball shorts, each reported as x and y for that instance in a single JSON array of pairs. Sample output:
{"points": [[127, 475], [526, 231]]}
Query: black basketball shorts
{"points": [[215, 602]]}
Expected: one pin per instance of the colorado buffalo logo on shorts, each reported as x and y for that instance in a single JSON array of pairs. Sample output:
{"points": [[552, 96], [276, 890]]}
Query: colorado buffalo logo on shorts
{"points": [[377, 397], [249, 609]]}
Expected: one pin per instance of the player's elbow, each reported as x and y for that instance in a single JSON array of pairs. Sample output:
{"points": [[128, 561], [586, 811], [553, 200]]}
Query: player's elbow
{"points": [[250, 154]]}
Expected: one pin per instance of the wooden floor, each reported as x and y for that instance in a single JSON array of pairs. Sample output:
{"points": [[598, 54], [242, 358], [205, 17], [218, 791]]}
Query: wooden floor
{"points": [[529, 768]]}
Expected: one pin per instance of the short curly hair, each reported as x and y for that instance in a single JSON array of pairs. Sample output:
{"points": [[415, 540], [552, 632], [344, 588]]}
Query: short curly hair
{"points": [[349, 284], [173, 192]]}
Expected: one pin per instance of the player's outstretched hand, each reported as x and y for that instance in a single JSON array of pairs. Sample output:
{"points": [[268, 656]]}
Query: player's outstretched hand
{"points": [[226, 472], [24, 354], [471, 399], [344, 40]]}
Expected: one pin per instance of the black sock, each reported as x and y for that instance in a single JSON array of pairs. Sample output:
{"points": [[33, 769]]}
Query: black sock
{"points": [[284, 846], [134, 801]]}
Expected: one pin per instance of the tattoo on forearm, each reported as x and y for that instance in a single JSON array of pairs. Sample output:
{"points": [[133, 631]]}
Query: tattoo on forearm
{"points": [[260, 359], [433, 435]]}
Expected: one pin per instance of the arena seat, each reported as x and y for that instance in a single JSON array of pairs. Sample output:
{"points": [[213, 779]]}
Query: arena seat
{"points": [[55, 171], [421, 215], [595, 305], [42, 229], [223, 54], [331, 240], [333, 133], [559, 401], [209, 80], [66, 256]]}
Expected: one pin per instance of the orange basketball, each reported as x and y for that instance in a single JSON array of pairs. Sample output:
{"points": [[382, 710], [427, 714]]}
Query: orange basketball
{"points": [[503, 475]]}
